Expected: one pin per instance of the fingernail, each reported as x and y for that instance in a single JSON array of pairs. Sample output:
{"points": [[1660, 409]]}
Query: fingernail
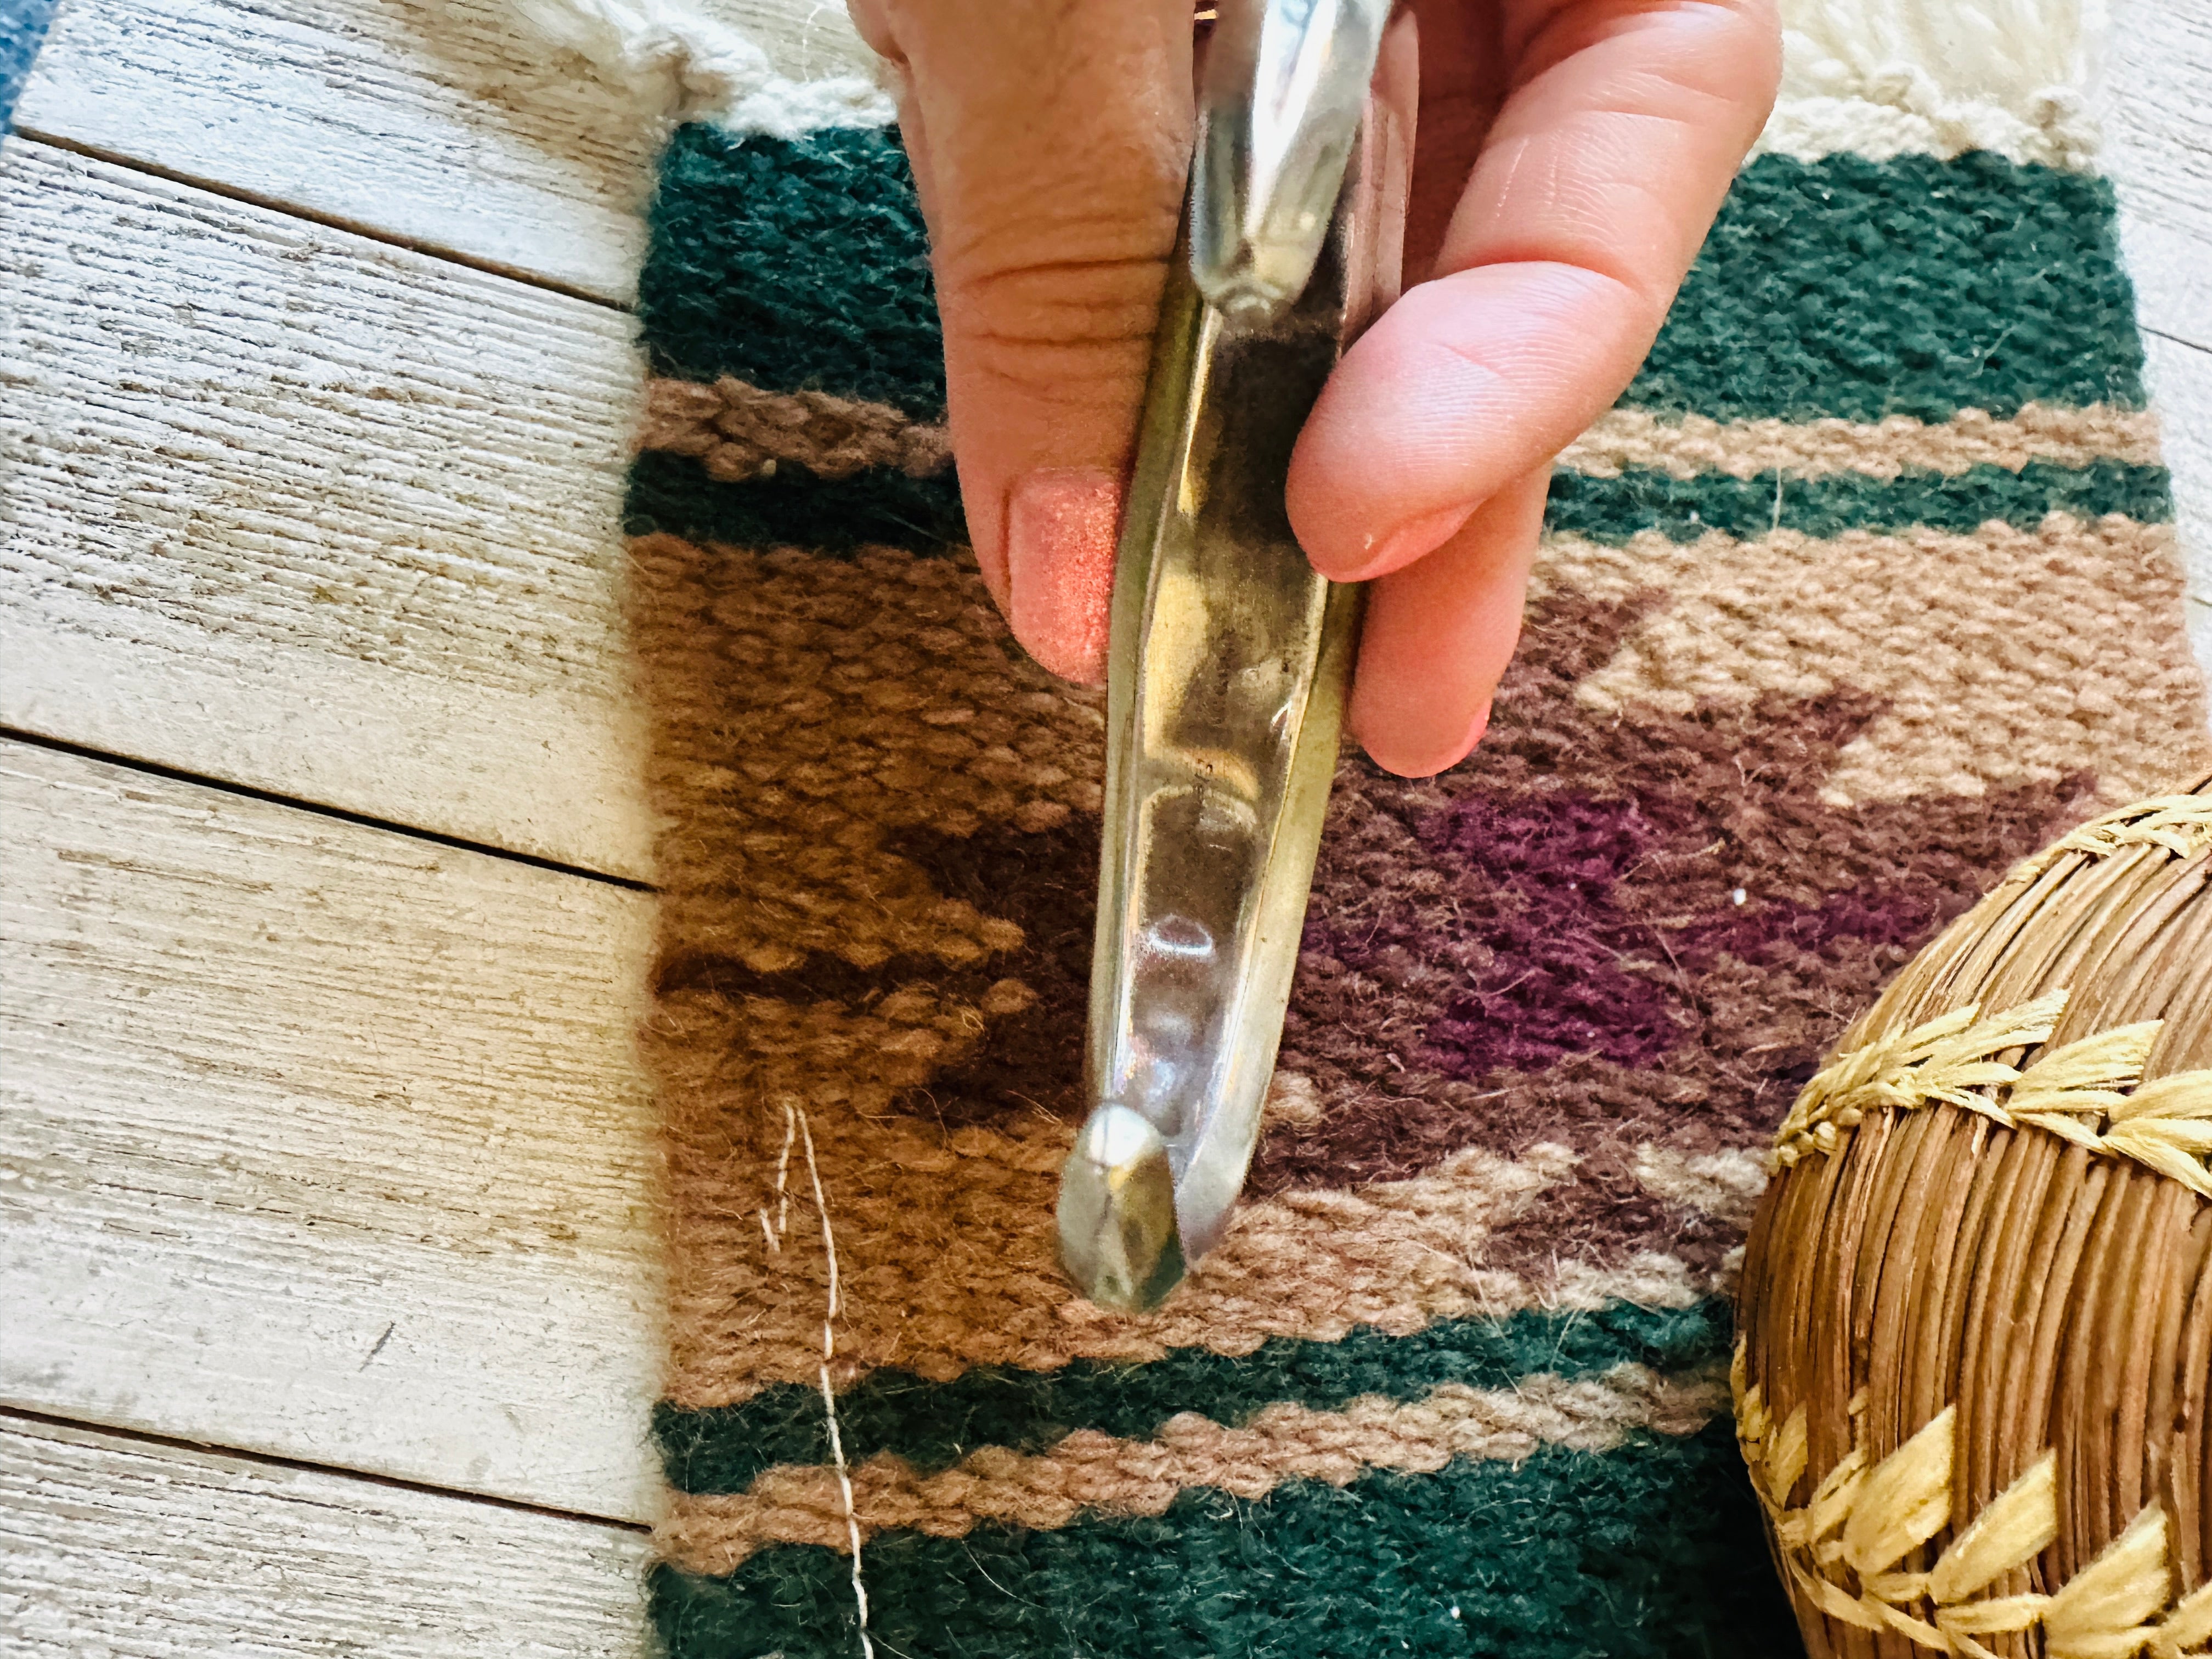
{"points": [[1062, 526], [1398, 548]]}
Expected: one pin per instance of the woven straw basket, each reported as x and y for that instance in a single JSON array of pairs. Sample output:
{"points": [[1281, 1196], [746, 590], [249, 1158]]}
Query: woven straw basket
{"points": [[1976, 1303]]}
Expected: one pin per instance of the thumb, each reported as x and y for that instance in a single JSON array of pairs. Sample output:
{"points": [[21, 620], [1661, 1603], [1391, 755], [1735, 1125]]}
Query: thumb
{"points": [[1050, 143]]}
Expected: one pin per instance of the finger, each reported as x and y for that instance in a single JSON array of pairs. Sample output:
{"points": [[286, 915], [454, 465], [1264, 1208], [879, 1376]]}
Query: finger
{"points": [[1050, 142], [1439, 633], [1599, 178]]}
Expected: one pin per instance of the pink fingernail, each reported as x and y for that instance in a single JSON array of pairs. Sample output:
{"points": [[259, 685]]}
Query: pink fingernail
{"points": [[1062, 526], [1400, 548]]}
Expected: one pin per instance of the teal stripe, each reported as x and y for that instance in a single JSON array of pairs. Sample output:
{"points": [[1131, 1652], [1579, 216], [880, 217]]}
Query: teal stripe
{"points": [[1841, 287], [792, 264], [1914, 286], [1682, 509], [793, 508], [673, 493], [934, 1425], [1649, 1552]]}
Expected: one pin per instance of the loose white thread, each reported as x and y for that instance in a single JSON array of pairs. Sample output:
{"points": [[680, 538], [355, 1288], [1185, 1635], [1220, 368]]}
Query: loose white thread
{"points": [[777, 1229], [783, 1172], [828, 1397]]}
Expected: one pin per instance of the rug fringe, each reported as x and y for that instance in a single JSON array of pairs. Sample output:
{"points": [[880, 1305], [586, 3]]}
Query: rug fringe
{"points": [[1881, 78], [670, 62], [1877, 78]]}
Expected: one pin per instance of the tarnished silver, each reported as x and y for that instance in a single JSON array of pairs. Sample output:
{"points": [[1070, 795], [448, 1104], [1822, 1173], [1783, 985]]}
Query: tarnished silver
{"points": [[1228, 666]]}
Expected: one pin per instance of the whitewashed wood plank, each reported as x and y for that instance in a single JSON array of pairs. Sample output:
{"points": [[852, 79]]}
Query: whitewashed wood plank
{"points": [[125, 1550], [384, 117], [805, 39], [431, 123], [306, 511], [2158, 124], [2181, 388], [2158, 151], [322, 1140]]}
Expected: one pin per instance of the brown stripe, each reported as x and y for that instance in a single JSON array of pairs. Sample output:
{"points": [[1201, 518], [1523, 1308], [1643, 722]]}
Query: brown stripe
{"points": [[1686, 446], [813, 715], [1092, 1473], [943, 1241], [886, 861], [739, 431]]}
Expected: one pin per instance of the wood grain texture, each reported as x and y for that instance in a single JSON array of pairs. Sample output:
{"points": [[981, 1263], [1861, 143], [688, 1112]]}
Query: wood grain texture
{"points": [[2158, 124], [2181, 388], [295, 509], [419, 122], [322, 1140], [127, 1549]]}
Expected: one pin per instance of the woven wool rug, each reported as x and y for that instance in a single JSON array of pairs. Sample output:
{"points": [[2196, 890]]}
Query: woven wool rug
{"points": [[1865, 590]]}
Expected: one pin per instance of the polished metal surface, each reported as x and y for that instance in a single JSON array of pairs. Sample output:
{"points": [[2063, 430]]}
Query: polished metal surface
{"points": [[1228, 668], [1280, 99]]}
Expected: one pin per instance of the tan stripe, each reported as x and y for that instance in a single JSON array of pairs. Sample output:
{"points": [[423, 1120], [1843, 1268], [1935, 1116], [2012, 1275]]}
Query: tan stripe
{"points": [[1090, 1473], [740, 431], [1686, 446], [2001, 657]]}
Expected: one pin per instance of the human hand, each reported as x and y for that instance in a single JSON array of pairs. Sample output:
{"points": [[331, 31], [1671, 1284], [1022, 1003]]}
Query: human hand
{"points": [[1570, 155]]}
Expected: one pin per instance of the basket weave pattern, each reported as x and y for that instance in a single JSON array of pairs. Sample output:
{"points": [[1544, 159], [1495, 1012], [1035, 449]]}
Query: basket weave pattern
{"points": [[1977, 1304]]}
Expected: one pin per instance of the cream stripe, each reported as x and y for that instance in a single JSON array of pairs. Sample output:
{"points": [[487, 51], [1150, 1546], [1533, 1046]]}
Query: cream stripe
{"points": [[2004, 657], [1881, 78], [1097, 1473], [1877, 77], [1807, 129], [670, 61], [1725, 1185], [740, 431], [1693, 444]]}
